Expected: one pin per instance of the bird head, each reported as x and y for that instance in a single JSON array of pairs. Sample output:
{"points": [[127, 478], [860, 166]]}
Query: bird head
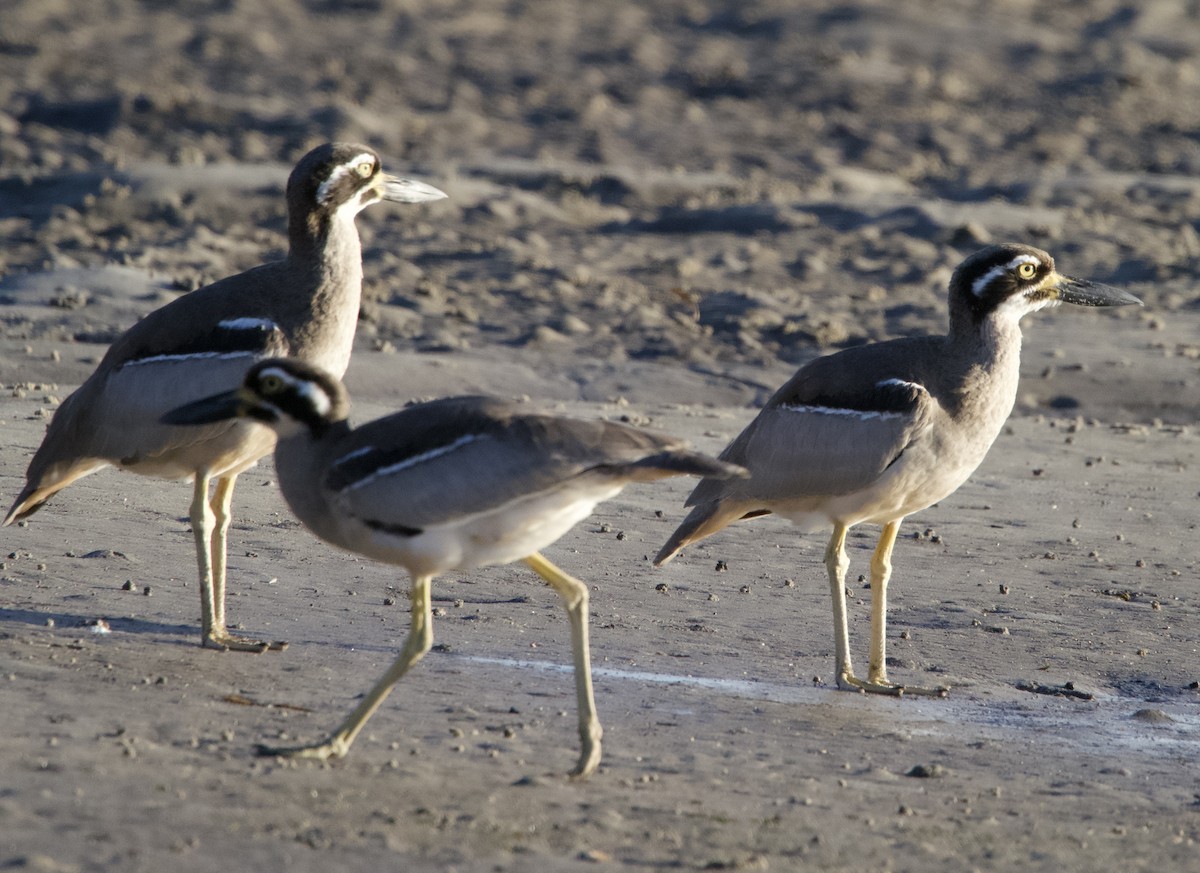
{"points": [[336, 178], [1011, 280], [285, 394]]}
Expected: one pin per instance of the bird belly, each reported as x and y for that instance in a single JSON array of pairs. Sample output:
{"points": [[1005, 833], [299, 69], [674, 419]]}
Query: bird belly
{"points": [[226, 454], [912, 484], [908, 488], [496, 536], [123, 423]]}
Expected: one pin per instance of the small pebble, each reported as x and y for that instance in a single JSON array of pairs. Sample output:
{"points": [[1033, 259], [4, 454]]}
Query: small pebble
{"points": [[927, 771]]}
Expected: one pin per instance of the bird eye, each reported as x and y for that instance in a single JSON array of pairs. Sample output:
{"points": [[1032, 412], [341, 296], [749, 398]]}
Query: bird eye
{"points": [[270, 385], [1027, 271], [365, 169]]}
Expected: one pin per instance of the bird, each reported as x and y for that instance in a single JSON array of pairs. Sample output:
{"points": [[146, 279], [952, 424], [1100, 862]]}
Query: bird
{"points": [[873, 433], [451, 484], [305, 305]]}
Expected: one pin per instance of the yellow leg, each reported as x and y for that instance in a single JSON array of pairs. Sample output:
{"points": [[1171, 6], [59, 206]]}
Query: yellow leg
{"points": [[881, 572], [836, 563], [220, 505], [575, 597], [417, 644], [211, 627], [210, 527]]}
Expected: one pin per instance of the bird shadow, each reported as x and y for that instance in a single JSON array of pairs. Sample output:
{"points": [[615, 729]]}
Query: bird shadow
{"points": [[68, 621]]}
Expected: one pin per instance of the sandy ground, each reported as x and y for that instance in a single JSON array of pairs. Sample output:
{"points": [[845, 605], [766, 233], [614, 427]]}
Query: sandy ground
{"points": [[657, 211]]}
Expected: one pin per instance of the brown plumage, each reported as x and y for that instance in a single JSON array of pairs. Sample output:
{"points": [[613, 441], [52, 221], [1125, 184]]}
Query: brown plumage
{"points": [[876, 432], [451, 484], [305, 305]]}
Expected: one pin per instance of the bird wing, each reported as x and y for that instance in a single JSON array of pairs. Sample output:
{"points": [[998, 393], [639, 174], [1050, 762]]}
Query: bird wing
{"points": [[821, 436], [116, 414], [451, 458]]}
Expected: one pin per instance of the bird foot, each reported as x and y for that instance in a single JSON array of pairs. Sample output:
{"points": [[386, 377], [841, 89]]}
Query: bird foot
{"points": [[589, 760], [850, 682], [226, 642], [918, 691], [319, 751], [878, 685]]}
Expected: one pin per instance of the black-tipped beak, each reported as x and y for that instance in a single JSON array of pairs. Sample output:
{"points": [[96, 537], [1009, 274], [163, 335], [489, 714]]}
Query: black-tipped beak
{"points": [[219, 407], [400, 190], [1084, 293]]}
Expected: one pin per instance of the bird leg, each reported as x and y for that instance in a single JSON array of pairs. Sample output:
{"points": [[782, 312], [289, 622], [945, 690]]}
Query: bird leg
{"points": [[418, 642], [210, 527], [202, 523], [575, 597], [881, 572], [836, 563], [220, 505]]}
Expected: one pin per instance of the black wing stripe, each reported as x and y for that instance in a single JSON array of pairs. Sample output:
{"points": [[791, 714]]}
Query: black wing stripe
{"points": [[230, 338], [886, 397]]}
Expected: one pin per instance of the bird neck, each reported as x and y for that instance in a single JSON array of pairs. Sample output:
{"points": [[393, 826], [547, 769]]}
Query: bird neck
{"points": [[326, 250], [989, 354]]}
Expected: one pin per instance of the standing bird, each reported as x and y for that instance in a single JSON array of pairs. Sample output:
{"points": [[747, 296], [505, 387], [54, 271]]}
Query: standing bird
{"points": [[451, 484], [305, 306], [873, 433]]}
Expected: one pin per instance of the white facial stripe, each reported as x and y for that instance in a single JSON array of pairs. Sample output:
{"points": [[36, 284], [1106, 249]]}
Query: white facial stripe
{"points": [[247, 324], [1019, 306], [980, 284], [413, 461], [318, 398], [310, 391], [859, 414], [192, 356], [341, 170]]}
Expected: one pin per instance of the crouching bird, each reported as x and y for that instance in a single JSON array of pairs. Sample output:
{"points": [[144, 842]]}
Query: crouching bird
{"points": [[450, 484], [305, 305], [876, 432]]}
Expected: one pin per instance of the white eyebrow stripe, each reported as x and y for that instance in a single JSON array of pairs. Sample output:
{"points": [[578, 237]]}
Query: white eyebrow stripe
{"points": [[247, 324], [413, 461], [980, 284], [861, 415], [341, 170]]}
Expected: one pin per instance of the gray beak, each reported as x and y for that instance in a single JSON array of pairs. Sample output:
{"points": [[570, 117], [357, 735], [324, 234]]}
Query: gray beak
{"points": [[409, 190], [1084, 293], [219, 407]]}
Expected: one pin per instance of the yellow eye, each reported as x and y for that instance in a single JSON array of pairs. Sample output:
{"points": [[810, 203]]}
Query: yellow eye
{"points": [[1027, 271], [270, 385], [365, 169]]}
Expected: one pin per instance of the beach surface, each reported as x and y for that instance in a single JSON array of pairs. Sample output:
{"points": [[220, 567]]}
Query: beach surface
{"points": [[656, 213]]}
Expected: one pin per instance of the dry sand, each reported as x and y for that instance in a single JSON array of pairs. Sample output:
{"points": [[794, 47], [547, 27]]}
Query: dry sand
{"points": [[657, 211]]}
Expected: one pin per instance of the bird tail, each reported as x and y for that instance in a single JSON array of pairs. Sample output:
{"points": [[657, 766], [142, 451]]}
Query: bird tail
{"points": [[704, 520], [40, 488], [683, 463], [27, 503]]}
